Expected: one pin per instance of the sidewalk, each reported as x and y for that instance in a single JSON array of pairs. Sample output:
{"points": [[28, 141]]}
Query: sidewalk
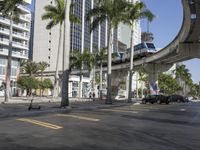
{"points": [[18, 106]]}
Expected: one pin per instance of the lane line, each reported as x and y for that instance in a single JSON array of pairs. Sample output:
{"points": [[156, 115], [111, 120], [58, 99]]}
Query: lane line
{"points": [[131, 109], [78, 117], [118, 110], [40, 123], [182, 109]]}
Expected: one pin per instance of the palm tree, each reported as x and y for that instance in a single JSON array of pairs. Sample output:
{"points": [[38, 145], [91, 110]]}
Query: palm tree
{"points": [[100, 57], [182, 73], [135, 12], [9, 8], [82, 61], [112, 11], [22, 65], [31, 68], [56, 14], [41, 67], [66, 57]]}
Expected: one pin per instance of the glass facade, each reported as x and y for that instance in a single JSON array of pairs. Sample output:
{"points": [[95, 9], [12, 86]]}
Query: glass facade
{"points": [[76, 29]]}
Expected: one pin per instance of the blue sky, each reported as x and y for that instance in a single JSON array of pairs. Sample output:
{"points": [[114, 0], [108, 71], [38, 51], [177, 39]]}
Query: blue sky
{"points": [[166, 25]]}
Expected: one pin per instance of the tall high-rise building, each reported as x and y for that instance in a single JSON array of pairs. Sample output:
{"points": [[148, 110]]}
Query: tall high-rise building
{"points": [[124, 31], [20, 46], [45, 45]]}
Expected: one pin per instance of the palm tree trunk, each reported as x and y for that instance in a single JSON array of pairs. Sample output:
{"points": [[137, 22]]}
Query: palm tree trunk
{"points": [[101, 79], [41, 92], [131, 68], [8, 72], [99, 49], [66, 53], [80, 85], [56, 86], [136, 85], [109, 79], [142, 93]]}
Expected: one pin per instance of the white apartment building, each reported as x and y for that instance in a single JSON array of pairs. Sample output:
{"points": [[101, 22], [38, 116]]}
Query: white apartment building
{"points": [[20, 46]]}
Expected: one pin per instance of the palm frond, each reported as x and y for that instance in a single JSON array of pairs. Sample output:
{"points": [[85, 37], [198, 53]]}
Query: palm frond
{"points": [[10, 7]]}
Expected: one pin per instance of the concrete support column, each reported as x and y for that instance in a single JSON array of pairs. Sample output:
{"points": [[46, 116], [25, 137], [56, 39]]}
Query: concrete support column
{"points": [[153, 80], [153, 71], [120, 80]]}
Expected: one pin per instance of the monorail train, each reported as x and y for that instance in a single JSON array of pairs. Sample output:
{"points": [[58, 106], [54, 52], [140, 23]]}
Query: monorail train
{"points": [[140, 50]]}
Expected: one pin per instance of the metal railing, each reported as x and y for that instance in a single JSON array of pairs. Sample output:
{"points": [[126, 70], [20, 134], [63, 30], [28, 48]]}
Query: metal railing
{"points": [[14, 32], [14, 23]]}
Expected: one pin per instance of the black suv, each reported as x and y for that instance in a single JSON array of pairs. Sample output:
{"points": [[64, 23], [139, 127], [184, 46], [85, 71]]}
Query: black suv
{"points": [[156, 99], [177, 98]]}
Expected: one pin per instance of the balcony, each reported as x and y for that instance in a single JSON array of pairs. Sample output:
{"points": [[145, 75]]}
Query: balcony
{"points": [[15, 25], [20, 45], [20, 35], [16, 54], [25, 18], [4, 41], [15, 44], [15, 34], [24, 9]]}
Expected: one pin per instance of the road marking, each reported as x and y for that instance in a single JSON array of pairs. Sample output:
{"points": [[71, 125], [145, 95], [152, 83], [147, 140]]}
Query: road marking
{"points": [[119, 110], [78, 117], [44, 124], [182, 109], [132, 109]]}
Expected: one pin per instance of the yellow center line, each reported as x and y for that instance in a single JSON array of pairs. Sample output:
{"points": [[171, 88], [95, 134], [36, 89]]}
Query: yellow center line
{"points": [[44, 124], [78, 117], [118, 110]]}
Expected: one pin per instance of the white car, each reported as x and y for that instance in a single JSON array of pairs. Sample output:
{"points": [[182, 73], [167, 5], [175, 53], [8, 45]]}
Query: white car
{"points": [[120, 97]]}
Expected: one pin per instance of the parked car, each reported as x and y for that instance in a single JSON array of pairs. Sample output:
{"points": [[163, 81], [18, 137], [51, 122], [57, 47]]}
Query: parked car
{"points": [[120, 97], [163, 99], [178, 98], [156, 99], [149, 99]]}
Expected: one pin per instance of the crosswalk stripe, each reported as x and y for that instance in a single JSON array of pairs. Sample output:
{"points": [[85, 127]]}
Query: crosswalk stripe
{"points": [[40, 123], [78, 117]]}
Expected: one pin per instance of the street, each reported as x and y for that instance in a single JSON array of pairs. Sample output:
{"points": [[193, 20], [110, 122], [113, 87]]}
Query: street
{"points": [[134, 127]]}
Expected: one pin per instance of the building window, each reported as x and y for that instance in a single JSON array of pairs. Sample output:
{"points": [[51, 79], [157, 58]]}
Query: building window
{"points": [[2, 61], [2, 70], [13, 71], [15, 63]]}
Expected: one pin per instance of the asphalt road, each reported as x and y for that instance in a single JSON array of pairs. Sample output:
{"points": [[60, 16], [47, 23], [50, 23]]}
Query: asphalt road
{"points": [[134, 127]]}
